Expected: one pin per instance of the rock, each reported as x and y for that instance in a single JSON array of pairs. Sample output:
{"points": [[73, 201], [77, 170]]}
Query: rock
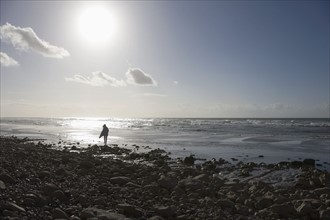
{"points": [[44, 174], [59, 194], [7, 178], [167, 182], [49, 189], [156, 217], [133, 185], [2, 185], [91, 213], [283, 210], [87, 213], [263, 203], [202, 177], [13, 207], [164, 211], [226, 203], [190, 184], [325, 214], [305, 208], [189, 160], [120, 180], [320, 191], [59, 214], [309, 162], [130, 210]]}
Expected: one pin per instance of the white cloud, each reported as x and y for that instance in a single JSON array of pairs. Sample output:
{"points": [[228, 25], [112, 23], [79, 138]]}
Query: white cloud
{"points": [[25, 39], [136, 76], [6, 60], [98, 78], [176, 82]]}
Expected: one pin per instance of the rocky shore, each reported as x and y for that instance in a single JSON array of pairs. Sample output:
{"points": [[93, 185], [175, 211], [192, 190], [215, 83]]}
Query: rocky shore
{"points": [[110, 182]]}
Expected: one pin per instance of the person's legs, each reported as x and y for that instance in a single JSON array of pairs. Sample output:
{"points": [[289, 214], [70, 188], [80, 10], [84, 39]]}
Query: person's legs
{"points": [[105, 140]]}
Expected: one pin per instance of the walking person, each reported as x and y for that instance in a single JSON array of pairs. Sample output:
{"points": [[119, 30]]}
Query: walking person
{"points": [[104, 133]]}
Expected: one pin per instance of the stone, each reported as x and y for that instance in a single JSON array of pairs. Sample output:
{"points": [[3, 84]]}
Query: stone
{"points": [[7, 178], [87, 213], [164, 211], [309, 162], [305, 208], [59, 214], [59, 194], [13, 207], [49, 189], [156, 217], [94, 213], [263, 203], [167, 182], [120, 180], [325, 214], [190, 184], [320, 191], [283, 210], [2, 185], [44, 174], [130, 210], [226, 203], [189, 160], [202, 177]]}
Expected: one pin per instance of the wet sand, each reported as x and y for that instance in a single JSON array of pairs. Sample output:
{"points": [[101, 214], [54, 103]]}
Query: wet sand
{"points": [[111, 182]]}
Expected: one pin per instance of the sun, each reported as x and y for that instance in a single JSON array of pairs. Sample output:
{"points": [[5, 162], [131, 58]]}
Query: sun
{"points": [[96, 25]]}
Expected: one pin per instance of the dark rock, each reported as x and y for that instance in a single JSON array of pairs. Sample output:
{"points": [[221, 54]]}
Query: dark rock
{"points": [[189, 160], [49, 189], [7, 178], [167, 182], [87, 213], [309, 162], [59, 194], [164, 211], [130, 210], [226, 203], [120, 180], [296, 163], [325, 214], [305, 208], [44, 174], [59, 214], [283, 210]]}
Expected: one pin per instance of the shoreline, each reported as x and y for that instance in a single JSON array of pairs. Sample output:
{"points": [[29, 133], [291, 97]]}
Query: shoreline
{"points": [[37, 182]]}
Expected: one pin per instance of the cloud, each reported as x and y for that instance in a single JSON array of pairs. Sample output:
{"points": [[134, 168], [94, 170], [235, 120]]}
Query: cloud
{"points": [[176, 82], [6, 60], [25, 39], [136, 76], [98, 78]]}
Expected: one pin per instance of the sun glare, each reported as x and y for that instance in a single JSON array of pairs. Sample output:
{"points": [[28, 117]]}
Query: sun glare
{"points": [[96, 25]]}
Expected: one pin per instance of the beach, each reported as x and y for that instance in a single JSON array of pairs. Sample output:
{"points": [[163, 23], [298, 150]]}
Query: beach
{"points": [[114, 182]]}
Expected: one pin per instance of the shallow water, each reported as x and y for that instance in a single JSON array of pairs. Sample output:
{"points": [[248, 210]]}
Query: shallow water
{"points": [[258, 140]]}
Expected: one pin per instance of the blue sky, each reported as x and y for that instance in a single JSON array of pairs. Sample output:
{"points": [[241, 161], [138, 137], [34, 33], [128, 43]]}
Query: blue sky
{"points": [[165, 59]]}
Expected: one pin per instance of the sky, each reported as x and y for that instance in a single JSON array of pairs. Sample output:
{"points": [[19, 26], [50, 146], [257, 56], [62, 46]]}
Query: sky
{"points": [[164, 59]]}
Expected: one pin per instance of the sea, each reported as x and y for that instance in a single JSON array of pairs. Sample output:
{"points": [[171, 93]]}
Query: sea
{"points": [[261, 140]]}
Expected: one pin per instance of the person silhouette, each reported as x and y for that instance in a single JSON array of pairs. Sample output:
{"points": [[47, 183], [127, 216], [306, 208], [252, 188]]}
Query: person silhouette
{"points": [[104, 133]]}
